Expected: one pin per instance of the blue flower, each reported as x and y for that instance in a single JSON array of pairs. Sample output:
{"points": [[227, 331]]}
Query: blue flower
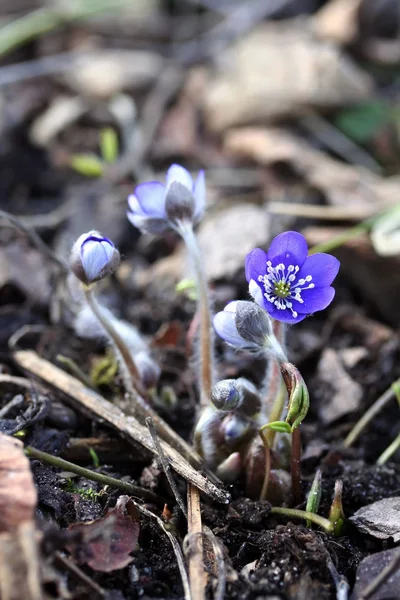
{"points": [[93, 257], [243, 324], [155, 207], [287, 284]]}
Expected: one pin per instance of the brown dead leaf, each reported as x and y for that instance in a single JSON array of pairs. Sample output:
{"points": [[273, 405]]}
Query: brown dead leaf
{"points": [[27, 269], [106, 543], [18, 496], [341, 394], [343, 185], [19, 564], [380, 519], [278, 70]]}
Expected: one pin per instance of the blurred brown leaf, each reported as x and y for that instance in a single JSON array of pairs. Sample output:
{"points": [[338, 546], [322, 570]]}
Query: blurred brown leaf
{"points": [[343, 185], [277, 71], [106, 543], [18, 494], [19, 565]]}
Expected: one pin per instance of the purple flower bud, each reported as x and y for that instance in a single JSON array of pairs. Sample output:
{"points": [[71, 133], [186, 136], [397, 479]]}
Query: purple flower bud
{"points": [[155, 207], [236, 394], [245, 325], [287, 284], [93, 257]]}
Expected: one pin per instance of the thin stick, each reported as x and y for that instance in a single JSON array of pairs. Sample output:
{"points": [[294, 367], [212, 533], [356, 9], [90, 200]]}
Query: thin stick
{"points": [[175, 546], [195, 539], [166, 467], [295, 466], [79, 574], [369, 415], [89, 402], [60, 463], [206, 338], [303, 514], [219, 557], [36, 240], [390, 450], [140, 408]]}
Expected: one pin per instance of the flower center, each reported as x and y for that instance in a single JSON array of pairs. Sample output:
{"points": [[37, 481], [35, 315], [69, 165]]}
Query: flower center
{"points": [[281, 287]]}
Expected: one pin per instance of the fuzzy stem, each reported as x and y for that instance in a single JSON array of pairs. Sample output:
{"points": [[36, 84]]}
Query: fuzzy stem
{"points": [[264, 489], [370, 414], [295, 466], [116, 339], [302, 514], [60, 463], [390, 450], [276, 390], [203, 307]]}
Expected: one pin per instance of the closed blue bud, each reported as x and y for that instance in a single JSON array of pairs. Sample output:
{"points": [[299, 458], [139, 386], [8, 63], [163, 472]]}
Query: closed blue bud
{"points": [[93, 257]]}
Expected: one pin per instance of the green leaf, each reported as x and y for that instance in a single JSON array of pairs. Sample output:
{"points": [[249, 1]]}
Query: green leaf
{"points": [[89, 165], [279, 426], [361, 123], [109, 145]]}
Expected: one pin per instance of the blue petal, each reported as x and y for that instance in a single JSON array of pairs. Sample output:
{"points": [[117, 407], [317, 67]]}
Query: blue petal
{"points": [[199, 196], [255, 264], [285, 316], [314, 299], [95, 254], [290, 245], [322, 267], [224, 325], [148, 224], [181, 175], [134, 205], [151, 198]]}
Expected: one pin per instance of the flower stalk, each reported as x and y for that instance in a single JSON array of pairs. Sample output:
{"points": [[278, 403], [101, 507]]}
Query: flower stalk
{"points": [[302, 514], [203, 307]]}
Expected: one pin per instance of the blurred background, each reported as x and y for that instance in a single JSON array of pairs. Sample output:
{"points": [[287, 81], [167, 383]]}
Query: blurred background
{"points": [[291, 106]]}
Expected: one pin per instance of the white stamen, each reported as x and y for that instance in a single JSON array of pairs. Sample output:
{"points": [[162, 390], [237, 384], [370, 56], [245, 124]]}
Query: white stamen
{"points": [[284, 276]]}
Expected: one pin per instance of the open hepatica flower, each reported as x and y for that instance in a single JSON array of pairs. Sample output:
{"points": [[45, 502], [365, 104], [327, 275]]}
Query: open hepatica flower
{"points": [[155, 207], [288, 284]]}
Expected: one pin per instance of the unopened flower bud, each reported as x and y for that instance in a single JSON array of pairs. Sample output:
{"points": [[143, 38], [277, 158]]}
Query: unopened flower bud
{"points": [[229, 470], [93, 257], [246, 325], [232, 394], [299, 399], [225, 395], [179, 203], [234, 428]]}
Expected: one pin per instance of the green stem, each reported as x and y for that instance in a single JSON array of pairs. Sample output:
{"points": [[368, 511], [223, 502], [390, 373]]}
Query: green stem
{"points": [[203, 304], [41, 21], [295, 466], [303, 514], [370, 414], [390, 450], [60, 463]]}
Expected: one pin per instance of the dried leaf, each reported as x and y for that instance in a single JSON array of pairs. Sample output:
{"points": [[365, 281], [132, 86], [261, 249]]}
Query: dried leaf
{"points": [[370, 568], [18, 496], [106, 543], [276, 71], [337, 21], [341, 394], [380, 519]]}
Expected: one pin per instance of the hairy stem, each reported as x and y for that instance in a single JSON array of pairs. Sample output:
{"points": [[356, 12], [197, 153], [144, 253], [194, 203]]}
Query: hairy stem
{"points": [[203, 306], [303, 514], [276, 390], [56, 461], [264, 489], [117, 341]]}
